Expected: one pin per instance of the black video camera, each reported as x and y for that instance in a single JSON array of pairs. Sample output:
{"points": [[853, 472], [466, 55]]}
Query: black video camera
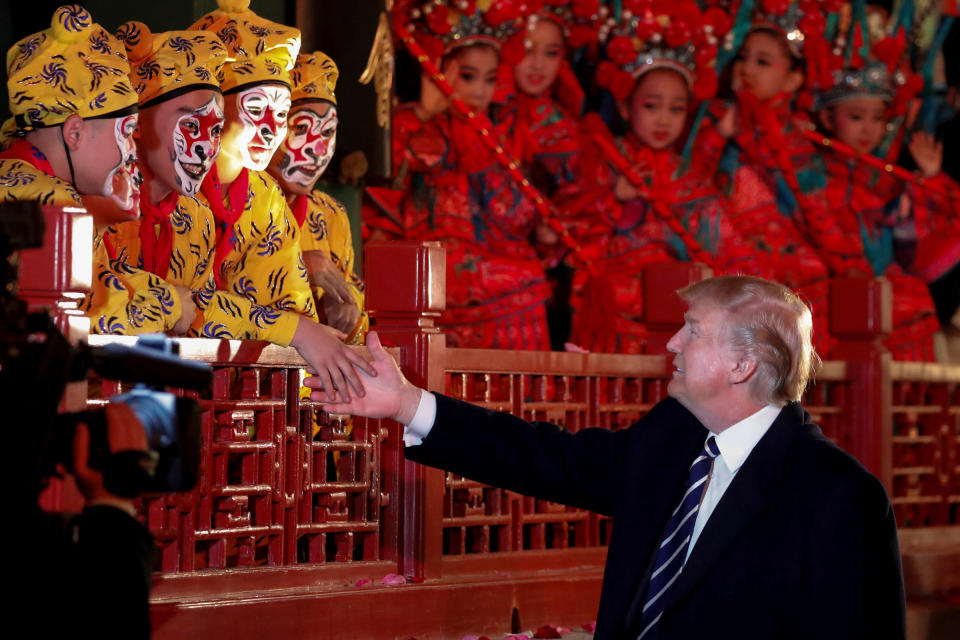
{"points": [[36, 362]]}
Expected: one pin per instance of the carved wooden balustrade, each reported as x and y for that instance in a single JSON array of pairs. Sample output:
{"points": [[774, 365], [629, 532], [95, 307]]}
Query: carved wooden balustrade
{"points": [[292, 526]]}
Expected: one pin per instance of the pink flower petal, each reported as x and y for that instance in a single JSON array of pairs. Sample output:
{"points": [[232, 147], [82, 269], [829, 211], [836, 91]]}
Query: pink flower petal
{"points": [[590, 626], [393, 579], [364, 581]]}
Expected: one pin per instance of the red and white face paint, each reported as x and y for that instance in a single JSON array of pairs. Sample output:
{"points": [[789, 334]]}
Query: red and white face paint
{"points": [[311, 141], [123, 181], [263, 112], [196, 140]]}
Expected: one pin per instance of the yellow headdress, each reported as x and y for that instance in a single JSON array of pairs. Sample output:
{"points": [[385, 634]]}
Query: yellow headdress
{"points": [[258, 50], [314, 77], [165, 65], [75, 66]]}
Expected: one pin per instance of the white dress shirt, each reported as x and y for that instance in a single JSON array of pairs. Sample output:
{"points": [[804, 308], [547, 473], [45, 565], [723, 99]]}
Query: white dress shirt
{"points": [[735, 444]]}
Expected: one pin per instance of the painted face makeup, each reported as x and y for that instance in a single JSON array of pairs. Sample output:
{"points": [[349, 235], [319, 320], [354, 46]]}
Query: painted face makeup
{"points": [[123, 181], [263, 111], [310, 143], [196, 141]]}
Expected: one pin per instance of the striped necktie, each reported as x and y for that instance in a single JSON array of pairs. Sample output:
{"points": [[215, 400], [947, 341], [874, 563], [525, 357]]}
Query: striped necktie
{"points": [[672, 551]]}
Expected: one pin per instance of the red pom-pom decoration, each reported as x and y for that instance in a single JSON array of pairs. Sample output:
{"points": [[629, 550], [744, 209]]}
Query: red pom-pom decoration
{"points": [[832, 6], [438, 20], [705, 54], [687, 12], [705, 86], [620, 50], [605, 73], [585, 8], [776, 7], [581, 34], [678, 34], [889, 50], [719, 20], [647, 26], [621, 85], [813, 23], [529, 7], [501, 12], [636, 7]]}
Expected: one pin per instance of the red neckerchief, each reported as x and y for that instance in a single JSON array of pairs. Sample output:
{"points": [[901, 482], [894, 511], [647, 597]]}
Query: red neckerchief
{"points": [[155, 248], [26, 152], [225, 218], [299, 209], [23, 150]]}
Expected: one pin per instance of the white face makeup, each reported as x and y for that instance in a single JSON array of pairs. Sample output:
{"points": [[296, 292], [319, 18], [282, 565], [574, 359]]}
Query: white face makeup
{"points": [[196, 140], [123, 181], [311, 141], [263, 112]]}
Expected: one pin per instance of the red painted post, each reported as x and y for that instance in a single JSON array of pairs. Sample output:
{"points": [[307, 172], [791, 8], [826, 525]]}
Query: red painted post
{"points": [[53, 278], [406, 293], [861, 317], [662, 308]]}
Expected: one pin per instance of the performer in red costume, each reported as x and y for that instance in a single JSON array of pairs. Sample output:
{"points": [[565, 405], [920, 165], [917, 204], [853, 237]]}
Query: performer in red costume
{"points": [[655, 72], [770, 173], [869, 230], [460, 194]]}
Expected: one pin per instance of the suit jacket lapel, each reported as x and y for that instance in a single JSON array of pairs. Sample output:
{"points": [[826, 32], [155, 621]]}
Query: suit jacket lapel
{"points": [[748, 494]]}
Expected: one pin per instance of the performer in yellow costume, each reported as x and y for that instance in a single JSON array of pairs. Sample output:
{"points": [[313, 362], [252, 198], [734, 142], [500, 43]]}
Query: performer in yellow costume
{"points": [[257, 246], [324, 225], [70, 143]]}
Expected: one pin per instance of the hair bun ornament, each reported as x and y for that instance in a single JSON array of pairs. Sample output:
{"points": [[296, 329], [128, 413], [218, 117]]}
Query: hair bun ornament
{"points": [[233, 6], [137, 40], [70, 23]]}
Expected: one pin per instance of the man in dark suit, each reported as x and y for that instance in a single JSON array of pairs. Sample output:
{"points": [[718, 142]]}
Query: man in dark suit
{"points": [[733, 516]]}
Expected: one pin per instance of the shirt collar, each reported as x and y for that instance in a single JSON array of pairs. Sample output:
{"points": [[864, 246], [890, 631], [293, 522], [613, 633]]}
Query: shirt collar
{"points": [[737, 441]]}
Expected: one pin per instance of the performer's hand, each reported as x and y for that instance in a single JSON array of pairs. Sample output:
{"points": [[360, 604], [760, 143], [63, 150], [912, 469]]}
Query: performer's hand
{"points": [[727, 125], [389, 395], [124, 433], [432, 98], [189, 310], [334, 364], [927, 153], [624, 190], [545, 235], [339, 305]]}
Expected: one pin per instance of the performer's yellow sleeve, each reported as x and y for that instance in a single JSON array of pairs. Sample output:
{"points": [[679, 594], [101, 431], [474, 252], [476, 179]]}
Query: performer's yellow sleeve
{"points": [[265, 265], [122, 299], [326, 228]]}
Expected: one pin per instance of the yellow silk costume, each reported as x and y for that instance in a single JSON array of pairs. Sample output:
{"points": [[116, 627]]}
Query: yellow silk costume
{"points": [[122, 300], [326, 227]]}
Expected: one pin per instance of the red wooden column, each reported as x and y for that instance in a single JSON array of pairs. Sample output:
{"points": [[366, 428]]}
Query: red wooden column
{"points": [[662, 308], [861, 316], [406, 293]]}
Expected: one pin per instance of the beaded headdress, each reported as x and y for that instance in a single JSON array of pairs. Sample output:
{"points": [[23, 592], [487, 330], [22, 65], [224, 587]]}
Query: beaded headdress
{"points": [[440, 26], [577, 19], [651, 35]]}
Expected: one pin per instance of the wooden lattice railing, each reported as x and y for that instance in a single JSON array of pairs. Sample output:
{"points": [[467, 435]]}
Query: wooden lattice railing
{"points": [[293, 524]]}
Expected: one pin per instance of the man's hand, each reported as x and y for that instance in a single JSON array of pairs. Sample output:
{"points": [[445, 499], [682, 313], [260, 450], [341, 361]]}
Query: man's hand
{"points": [[333, 363], [389, 395], [927, 153], [727, 124], [339, 305], [189, 310], [124, 433]]}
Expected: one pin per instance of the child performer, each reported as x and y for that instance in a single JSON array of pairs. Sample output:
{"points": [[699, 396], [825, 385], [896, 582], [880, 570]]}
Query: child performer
{"points": [[867, 206], [655, 73], [772, 176], [462, 196], [74, 116], [257, 251], [324, 224]]}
